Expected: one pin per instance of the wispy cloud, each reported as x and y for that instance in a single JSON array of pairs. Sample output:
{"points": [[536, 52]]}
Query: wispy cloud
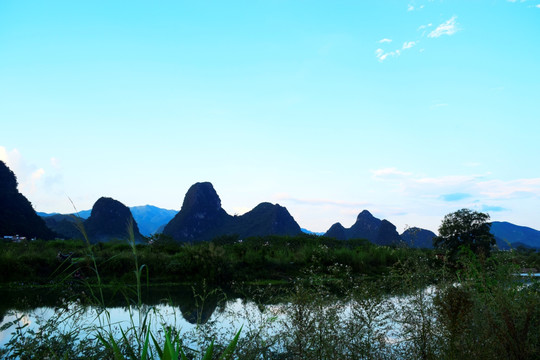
{"points": [[385, 40], [382, 55], [449, 27], [408, 44], [410, 7], [499, 189], [28, 176], [459, 187], [423, 27]]}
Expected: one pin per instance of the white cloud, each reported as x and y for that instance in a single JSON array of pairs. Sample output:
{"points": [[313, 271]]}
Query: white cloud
{"points": [[410, 7], [39, 184], [538, 6], [449, 27], [408, 44], [381, 55], [500, 189], [385, 40]]}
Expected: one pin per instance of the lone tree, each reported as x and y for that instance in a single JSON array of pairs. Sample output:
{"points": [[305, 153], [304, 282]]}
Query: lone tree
{"points": [[468, 228]]}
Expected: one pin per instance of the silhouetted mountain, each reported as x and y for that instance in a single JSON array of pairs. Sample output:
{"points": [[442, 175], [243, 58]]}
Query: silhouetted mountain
{"points": [[64, 225], [110, 220], [17, 216], [506, 232], [337, 231], [380, 232], [387, 234], [265, 219], [366, 227], [202, 218], [151, 218], [418, 238]]}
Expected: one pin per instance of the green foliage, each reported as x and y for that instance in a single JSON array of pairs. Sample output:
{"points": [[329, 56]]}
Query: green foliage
{"points": [[222, 261], [465, 228], [419, 309]]}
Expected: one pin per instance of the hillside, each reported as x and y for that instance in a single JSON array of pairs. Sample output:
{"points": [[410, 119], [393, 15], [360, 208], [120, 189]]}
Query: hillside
{"points": [[17, 216]]}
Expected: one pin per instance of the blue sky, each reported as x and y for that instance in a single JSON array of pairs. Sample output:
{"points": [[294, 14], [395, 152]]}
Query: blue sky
{"points": [[410, 109]]}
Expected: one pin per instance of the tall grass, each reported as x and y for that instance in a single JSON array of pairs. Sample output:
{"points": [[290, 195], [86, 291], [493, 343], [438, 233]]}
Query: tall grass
{"points": [[420, 309], [136, 340]]}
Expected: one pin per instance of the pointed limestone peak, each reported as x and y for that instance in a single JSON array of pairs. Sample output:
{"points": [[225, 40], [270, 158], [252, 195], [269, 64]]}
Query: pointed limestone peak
{"points": [[365, 215], [201, 197], [337, 231], [110, 219]]}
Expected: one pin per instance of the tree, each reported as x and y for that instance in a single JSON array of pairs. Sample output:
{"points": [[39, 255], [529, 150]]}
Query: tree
{"points": [[468, 228]]}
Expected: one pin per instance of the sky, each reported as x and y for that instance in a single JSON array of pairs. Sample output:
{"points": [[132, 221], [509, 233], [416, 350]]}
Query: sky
{"points": [[409, 109]]}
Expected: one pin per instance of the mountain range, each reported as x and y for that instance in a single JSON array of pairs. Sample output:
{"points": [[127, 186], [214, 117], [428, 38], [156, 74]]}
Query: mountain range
{"points": [[202, 218], [149, 218]]}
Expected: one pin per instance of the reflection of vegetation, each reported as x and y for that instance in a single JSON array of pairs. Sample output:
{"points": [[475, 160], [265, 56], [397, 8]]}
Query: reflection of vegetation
{"points": [[52, 340]]}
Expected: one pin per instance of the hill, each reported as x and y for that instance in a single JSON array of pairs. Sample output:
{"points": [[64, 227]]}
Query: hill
{"points": [[17, 216], [110, 220], [380, 232], [516, 235], [418, 238]]}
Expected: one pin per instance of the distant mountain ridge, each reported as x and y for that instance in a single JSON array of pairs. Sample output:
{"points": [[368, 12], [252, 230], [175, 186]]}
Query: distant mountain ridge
{"points": [[516, 235], [148, 217], [151, 218], [202, 218]]}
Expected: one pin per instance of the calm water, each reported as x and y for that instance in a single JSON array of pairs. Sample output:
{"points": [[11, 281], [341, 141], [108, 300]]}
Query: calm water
{"points": [[180, 307], [197, 314]]}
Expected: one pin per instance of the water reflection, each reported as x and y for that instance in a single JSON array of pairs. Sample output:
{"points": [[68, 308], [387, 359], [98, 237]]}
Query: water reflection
{"points": [[195, 305]]}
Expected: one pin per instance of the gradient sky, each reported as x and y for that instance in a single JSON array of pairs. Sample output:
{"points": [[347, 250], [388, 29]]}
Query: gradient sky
{"points": [[410, 109]]}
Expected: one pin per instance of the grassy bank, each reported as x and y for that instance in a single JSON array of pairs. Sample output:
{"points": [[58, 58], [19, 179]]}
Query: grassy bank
{"points": [[225, 260]]}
